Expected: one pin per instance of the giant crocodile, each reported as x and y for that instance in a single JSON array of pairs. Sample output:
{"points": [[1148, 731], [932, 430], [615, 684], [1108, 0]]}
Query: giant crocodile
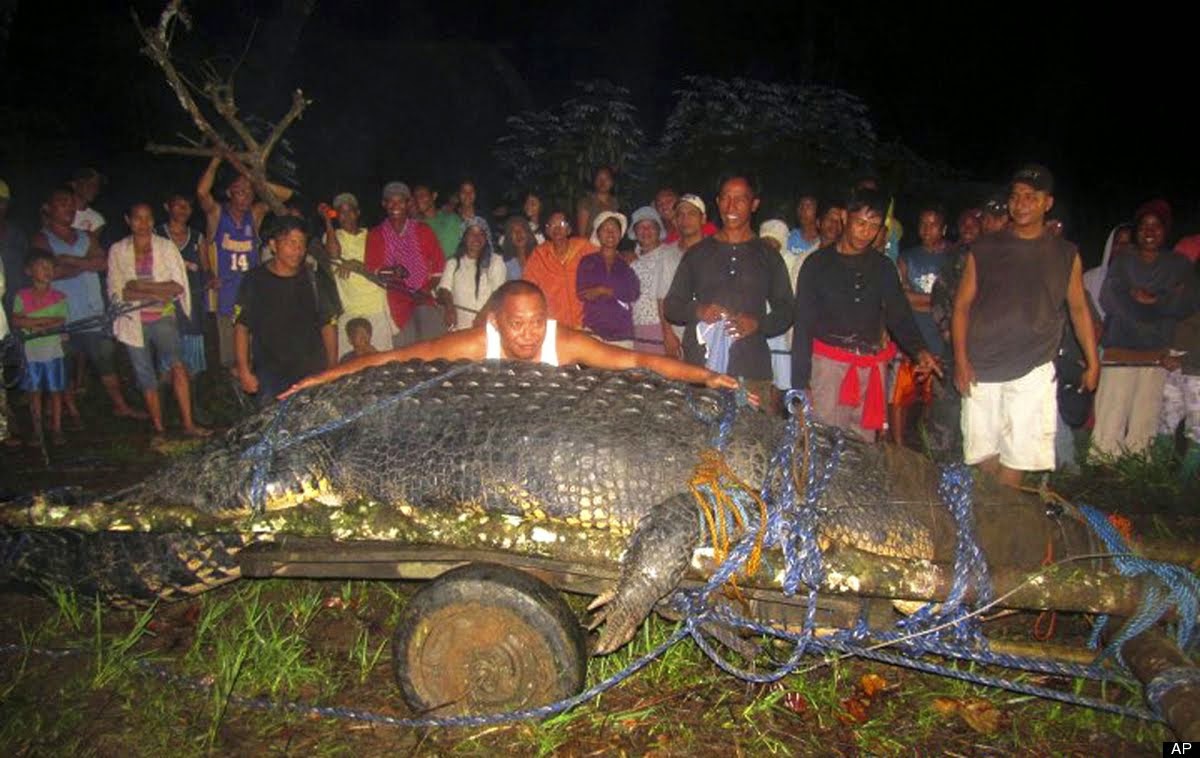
{"points": [[600, 455]]}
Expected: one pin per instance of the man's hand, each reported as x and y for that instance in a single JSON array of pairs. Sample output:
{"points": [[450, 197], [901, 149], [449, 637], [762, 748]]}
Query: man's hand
{"points": [[727, 382], [449, 316], [927, 364], [721, 382], [710, 313], [742, 325], [1145, 297], [672, 347], [1171, 362], [1091, 377], [303, 384], [964, 376], [249, 382]]}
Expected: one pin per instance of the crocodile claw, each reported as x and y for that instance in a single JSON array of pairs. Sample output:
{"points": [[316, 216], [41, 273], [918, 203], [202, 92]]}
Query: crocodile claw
{"points": [[621, 617], [603, 599]]}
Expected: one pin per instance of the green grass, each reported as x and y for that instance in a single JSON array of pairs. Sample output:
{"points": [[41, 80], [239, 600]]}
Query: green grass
{"points": [[1146, 482], [325, 642], [261, 648], [366, 653], [67, 604], [113, 654]]}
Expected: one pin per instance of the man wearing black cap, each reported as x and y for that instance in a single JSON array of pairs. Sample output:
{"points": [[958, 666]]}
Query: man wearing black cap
{"points": [[1007, 324]]}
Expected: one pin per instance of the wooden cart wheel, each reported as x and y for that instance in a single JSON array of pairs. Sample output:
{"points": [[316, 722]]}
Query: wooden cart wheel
{"points": [[485, 638]]}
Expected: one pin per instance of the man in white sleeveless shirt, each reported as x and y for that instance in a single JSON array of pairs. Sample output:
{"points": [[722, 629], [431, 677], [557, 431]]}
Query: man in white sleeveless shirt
{"points": [[518, 329]]}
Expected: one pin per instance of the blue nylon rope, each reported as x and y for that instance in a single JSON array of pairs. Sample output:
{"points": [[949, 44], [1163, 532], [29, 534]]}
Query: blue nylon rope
{"points": [[1177, 588]]}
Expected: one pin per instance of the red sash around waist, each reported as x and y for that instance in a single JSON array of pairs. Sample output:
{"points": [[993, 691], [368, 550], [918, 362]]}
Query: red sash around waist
{"points": [[874, 405]]}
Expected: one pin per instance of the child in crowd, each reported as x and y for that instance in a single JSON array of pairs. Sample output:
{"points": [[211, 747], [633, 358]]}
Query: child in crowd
{"points": [[34, 308], [358, 332]]}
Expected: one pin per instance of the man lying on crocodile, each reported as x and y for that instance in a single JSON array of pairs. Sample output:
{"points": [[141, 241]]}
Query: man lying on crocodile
{"points": [[518, 329]]}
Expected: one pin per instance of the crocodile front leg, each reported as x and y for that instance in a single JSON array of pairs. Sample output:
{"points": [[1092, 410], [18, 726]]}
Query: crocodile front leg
{"points": [[658, 554]]}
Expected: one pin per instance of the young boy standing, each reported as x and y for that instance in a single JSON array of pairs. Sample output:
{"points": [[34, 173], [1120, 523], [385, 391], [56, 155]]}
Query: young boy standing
{"points": [[279, 321], [34, 308], [358, 333]]}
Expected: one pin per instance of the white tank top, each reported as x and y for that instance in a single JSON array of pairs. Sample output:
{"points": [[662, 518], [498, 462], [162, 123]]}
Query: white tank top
{"points": [[549, 354]]}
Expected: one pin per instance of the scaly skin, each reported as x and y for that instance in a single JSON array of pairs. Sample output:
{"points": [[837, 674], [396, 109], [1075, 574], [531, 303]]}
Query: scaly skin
{"points": [[572, 446]]}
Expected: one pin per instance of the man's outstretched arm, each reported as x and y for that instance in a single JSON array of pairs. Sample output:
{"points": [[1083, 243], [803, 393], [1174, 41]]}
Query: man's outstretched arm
{"points": [[467, 344], [577, 347]]}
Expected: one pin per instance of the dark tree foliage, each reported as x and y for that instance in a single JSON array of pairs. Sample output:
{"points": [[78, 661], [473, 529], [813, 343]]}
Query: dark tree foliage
{"points": [[555, 151]]}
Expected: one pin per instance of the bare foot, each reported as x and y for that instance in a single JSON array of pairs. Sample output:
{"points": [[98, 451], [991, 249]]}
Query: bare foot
{"points": [[128, 412], [197, 431]]}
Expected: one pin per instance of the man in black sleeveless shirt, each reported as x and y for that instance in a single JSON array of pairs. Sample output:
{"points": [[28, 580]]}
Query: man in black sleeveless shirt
{"points": [[1007, 324]]}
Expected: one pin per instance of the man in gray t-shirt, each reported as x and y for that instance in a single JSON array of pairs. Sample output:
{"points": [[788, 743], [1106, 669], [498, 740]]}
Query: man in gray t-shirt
{"points": [[1008, 320]]}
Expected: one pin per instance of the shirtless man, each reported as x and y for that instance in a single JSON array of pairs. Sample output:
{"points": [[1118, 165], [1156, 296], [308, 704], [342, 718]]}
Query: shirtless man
{"points": [[518, 329]]}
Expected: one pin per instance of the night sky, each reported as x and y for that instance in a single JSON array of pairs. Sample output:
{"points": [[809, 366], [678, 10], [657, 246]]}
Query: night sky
{"points": [[420, 91]]}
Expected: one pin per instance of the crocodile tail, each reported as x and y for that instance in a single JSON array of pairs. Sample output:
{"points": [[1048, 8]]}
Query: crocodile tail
{"points": [[125, 568]]}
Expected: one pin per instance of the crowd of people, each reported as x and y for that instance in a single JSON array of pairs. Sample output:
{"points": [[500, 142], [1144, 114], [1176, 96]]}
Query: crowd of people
{"points": [[988, 336]]}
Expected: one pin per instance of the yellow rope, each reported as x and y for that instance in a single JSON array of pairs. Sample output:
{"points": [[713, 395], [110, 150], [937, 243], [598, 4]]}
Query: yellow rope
{"points": [[714, 477]]}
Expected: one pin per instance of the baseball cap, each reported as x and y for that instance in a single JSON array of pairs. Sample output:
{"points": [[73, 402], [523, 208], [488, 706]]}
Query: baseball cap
{"points": [[1035, 175], [396, 189], [346, 198], [694, 201]]}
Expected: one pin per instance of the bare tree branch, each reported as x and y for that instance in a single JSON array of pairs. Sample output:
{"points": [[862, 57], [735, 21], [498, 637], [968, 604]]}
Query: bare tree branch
{"points": [[221, 97], [299, 103], [194, 152], [157, 48], [251, 160]]}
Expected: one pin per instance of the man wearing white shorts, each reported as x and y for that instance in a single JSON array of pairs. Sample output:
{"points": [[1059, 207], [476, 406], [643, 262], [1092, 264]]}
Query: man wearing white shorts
{"points": [[1007, 324]]}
